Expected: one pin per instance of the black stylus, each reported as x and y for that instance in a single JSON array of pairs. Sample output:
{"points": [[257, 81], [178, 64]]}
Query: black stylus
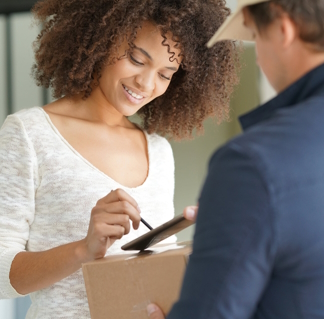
{"points": [[146, 224]]}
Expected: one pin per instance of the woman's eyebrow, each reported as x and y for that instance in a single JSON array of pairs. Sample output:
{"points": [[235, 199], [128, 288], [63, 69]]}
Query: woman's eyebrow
{"points": [[144, 52], [148, 55], [171, 68]]}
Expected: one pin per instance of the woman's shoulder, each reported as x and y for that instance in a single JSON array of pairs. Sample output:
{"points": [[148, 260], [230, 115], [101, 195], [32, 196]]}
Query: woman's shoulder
{"points": [[154, 140], [158, 142], [29, 122], [26, 116], [160, 151]]}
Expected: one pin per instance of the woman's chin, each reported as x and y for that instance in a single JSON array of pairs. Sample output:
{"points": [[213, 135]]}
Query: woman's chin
{"points": [[128, 111]]}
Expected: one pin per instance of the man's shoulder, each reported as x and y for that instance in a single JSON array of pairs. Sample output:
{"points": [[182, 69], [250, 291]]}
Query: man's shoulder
{"points": [[285, 149]]}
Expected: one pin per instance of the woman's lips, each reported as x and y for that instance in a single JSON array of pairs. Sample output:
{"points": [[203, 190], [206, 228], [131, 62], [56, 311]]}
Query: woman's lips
{"points": [[132, 98]]}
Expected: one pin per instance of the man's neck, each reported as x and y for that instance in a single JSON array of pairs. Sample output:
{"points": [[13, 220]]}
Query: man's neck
{"points": [[300, 64]]}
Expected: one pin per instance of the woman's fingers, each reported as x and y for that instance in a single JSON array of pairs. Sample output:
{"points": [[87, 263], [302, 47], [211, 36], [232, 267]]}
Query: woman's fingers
{"points": [[190, 213], [112, 219], [114, 231], [120, 195], [100, 237], [127, 205], [120, 207]]}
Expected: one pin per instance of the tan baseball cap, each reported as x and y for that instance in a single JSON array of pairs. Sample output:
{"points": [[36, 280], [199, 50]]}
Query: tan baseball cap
{"points": [[233, 28]]}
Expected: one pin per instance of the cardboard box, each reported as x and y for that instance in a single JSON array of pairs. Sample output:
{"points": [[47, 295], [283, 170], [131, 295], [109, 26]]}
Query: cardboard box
{"points": [[121, 286]]}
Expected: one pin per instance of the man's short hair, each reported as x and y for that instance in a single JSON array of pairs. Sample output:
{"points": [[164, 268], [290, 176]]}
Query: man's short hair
{"points": [[308, 16]]}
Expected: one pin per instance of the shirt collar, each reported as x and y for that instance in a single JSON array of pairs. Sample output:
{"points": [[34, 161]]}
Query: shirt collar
{"points": [[309, 85]]}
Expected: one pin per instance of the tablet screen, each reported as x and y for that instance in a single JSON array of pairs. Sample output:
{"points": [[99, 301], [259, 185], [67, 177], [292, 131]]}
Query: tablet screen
{"points": [[158, 234]]}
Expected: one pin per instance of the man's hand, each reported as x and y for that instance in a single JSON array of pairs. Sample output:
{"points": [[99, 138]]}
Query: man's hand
{"points": [[154, 312], [190, 213]]}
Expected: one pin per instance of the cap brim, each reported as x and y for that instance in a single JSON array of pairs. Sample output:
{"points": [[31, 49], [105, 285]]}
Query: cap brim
{"points": [[232, 29]]}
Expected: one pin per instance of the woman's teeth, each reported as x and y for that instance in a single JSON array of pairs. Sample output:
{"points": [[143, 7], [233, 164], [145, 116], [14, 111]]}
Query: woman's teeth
{"points": [[136, 96]]}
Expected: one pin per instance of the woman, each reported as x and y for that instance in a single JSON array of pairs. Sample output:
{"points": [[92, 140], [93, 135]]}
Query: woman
{"points": [[77, 173]]}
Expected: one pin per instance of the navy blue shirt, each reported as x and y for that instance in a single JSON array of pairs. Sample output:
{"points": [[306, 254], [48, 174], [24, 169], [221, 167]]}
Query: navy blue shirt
{"points": [[258, 248]]}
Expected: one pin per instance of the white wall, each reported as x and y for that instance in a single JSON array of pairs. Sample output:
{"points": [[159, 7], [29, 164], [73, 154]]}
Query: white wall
{"points": [[27, 94], [3, 92], [266, 90], [7, 309], [232, 4]]}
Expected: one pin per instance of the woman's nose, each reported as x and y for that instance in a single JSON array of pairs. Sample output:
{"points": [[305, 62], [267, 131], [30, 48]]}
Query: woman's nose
{"points": [[146, 81]]}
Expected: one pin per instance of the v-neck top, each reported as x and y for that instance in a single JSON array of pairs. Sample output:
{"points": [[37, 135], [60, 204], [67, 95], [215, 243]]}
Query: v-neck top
{"points": [[47, 192]]}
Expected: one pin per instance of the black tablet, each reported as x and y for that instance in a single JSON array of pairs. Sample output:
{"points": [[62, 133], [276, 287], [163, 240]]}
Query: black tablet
{"points": [[158, 234]]}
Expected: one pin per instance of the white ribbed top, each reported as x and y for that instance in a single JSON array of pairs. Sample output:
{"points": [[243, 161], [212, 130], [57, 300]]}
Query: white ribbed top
{"points": [[47, 192]]}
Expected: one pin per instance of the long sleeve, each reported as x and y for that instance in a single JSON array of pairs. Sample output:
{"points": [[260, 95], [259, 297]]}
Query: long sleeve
{"points": [[234, 242], [17, 204]]}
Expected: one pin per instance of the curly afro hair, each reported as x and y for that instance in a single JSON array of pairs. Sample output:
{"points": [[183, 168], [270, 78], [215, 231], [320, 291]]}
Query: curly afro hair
{"points": [[80, 36]]}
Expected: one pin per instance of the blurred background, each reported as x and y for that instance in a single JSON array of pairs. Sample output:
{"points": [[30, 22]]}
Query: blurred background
{"points": [[18, 91]]}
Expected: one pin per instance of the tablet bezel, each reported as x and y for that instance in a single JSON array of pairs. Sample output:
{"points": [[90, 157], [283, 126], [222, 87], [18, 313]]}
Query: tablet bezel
{"points": [[158, 234]]}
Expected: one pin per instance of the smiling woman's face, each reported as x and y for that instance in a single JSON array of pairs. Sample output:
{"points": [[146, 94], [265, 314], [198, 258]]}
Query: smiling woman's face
{"points": [[142, 75]]}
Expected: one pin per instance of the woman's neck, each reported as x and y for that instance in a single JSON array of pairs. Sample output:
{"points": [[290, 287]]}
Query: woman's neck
{"points": [[96, 108]]}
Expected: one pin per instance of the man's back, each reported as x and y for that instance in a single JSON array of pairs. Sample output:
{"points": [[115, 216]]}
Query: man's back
{"points": [[290, 147], [266, 189]]}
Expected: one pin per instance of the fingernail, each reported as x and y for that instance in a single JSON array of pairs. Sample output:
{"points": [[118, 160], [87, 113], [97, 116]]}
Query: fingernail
{"points": [[138, 209], [150, 309], [190, 212]]}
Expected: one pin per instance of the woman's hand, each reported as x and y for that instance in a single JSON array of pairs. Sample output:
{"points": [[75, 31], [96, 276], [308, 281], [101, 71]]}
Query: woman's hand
{"points": [[110, 220]]}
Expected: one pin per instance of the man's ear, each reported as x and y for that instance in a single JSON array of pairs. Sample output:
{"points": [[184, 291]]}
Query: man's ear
{"points": [[288, 30]]}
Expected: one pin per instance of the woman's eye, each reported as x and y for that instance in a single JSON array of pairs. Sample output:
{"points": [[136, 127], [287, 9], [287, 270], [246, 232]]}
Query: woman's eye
{"points": [[165, 77], [135, 61]]}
